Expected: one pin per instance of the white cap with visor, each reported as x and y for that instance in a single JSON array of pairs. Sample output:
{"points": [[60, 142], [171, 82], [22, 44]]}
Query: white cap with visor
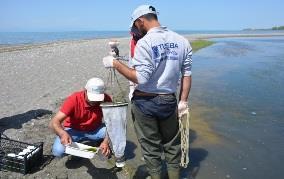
{"points": [[140, 11], [95, 89]]}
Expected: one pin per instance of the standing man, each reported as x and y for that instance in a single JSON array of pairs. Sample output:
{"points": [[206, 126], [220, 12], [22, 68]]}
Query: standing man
{"points": [[161, 57]]}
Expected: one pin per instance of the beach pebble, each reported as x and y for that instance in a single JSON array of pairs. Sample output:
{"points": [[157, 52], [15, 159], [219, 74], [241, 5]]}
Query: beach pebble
{"points": [[26, 150], [21, 153], [11, 155], [30, 147], [20, 157]]}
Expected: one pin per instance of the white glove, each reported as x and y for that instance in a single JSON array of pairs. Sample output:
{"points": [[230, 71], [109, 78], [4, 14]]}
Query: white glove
{"points": [[131, 90], [182, 108], [108, 61]]}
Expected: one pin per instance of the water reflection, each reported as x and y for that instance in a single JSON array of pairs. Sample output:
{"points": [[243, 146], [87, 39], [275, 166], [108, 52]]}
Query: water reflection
{"points": [[238, 97]]}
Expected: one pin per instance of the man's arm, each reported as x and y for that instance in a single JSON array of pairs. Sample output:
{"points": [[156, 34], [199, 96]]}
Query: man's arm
{"points": [[186, 73], [142, 63], [185, 88], [56, 125], [127, 72]]}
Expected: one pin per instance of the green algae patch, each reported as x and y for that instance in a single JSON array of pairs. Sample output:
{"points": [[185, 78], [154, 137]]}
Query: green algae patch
{"points": [[199, 44]]}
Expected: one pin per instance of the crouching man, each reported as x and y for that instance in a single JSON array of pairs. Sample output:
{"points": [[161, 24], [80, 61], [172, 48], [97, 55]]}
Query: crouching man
{"points": [[80, 118]]}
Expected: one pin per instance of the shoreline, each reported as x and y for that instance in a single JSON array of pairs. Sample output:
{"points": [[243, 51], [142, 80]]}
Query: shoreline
{"points": [[190, 37]]}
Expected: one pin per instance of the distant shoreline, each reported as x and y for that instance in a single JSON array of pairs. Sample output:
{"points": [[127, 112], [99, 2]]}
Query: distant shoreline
{"points": [[211, 36], [272, 28], [190, 37]]}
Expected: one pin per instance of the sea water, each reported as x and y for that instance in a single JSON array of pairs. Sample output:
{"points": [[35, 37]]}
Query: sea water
{"points": [[19, 38], [238, 90]]}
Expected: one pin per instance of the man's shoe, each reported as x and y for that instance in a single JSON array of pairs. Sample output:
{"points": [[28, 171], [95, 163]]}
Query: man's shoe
{"points": [[120, 162]]}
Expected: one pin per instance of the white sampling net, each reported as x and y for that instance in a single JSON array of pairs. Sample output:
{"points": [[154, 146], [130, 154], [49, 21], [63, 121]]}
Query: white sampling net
{"points": [[115, 120]]}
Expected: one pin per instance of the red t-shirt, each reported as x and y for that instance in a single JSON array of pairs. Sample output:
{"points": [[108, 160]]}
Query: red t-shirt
{"points": [[132, 47], [80, 115]]}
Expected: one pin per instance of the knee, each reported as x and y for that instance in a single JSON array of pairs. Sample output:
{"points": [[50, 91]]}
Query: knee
{"points": [[58, 149], [101, 133]]}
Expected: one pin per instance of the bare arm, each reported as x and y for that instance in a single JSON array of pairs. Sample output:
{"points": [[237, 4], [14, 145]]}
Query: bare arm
{"points": [[185, 88], [56, 125], [127, 72]]}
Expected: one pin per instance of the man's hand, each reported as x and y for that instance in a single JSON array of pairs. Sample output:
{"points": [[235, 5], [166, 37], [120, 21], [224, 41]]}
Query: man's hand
{"points": [[55, 125], [182, 107], [104, 147], [65, 138], [108, 61]]}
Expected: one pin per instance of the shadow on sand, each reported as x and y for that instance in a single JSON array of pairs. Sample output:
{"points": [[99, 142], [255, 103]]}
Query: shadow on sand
{"points": [[18, 120], [95, 172], [196, 156], [129, 149], [77, 162]]}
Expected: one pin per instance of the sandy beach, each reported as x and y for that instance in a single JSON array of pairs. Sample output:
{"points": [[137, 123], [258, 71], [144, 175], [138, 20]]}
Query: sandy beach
{"points": [[35, 79]]}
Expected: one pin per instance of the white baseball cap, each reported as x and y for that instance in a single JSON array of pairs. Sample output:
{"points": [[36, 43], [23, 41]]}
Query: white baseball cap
{"points": [[140, 11], [95, 89]]}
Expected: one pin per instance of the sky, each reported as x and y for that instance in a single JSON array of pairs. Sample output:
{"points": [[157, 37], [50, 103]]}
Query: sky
{"points": [[111, 15]]}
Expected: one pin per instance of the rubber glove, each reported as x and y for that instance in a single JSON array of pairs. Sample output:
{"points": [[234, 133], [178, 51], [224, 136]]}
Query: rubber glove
{"points": [[131, 91], [182, 108], [108, 61]]}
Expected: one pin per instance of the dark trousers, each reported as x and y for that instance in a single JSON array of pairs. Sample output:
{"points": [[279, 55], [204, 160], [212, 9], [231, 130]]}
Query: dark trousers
{"points": [[156, 125]]}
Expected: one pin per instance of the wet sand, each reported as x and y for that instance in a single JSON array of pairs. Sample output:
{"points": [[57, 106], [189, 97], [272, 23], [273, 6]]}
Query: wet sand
{"points": [[36, 78]]}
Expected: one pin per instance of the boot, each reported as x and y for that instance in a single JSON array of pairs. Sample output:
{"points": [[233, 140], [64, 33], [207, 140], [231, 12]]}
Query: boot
{"points": [[155, 176], [174, 174]]}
